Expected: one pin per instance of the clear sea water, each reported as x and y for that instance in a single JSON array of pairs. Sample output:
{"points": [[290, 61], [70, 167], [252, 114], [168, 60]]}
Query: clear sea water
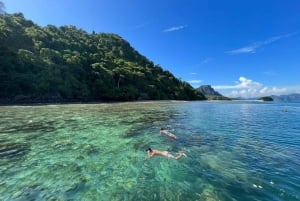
{"points": [[236, 151]]}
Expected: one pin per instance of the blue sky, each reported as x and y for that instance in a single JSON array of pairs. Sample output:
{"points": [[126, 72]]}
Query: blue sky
{"points": [[245, 48]]}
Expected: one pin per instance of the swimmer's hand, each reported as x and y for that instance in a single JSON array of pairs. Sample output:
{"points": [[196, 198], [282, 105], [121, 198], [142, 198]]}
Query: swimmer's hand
{"points": [[181, 154], [184, 154]]}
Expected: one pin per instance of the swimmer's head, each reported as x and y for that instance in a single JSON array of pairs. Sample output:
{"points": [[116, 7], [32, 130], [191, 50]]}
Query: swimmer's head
{"points": [[149, 149], [162, 129]]}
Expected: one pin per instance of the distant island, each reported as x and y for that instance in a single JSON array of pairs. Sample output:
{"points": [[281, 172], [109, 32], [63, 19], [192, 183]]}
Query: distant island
{"points": [[287, 98], [67, 64], [210, 93], [266, 98], [276, 98]]}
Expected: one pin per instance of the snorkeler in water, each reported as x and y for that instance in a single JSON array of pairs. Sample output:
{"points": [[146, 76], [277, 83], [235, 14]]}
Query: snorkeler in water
{"points": [[153, 152], [168, 133]]}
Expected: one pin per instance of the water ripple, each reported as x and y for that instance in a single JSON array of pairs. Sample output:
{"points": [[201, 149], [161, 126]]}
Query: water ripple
{"points": [[236, 151]]}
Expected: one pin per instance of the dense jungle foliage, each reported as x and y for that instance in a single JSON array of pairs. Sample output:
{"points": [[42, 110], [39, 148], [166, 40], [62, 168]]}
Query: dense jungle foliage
{"points": [[50, 64]]}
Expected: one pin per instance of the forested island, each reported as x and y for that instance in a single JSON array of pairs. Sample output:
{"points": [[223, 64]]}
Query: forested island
{"points": [[66, 64], [210, 93], [265, 98]]}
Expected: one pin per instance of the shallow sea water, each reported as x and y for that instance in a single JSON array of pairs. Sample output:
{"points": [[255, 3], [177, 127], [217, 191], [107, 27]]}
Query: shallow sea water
{"points": [[236, 151]]}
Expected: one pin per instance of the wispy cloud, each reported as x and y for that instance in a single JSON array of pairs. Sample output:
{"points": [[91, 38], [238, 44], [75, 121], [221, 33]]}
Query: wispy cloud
{"points": [[175, 28], [269, 73], [205, 61], [194, 82], [254, 46], [141, 25], [247, 88]]}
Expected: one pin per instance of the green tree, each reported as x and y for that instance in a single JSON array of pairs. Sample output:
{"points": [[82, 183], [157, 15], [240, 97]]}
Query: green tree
{"points": [[68, 63]]}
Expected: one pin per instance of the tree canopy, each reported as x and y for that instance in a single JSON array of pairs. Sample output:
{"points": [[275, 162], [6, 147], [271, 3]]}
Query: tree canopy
{"points": [[46, 64]]}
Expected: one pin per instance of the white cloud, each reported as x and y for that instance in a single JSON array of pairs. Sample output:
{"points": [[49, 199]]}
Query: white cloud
{"points": [[247, 88], [249, 49], [175, 28], [194, 82], [252, 47], [241, 84]]}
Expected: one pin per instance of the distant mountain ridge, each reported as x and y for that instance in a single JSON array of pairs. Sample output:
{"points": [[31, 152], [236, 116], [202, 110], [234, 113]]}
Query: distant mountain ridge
{"points": [[208, 90], [210, 93], [287, 98]]}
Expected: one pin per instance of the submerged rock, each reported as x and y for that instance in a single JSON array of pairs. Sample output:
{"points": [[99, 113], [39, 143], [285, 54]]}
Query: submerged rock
{"points": [[13, 150], [32, 192]]}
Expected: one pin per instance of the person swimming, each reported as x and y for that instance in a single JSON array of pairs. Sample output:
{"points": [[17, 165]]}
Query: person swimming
{"points": [[153, 152], [168, 133]]}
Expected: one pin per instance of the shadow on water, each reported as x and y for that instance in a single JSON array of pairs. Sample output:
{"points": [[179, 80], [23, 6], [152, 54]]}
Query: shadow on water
{"points": [[139, 144], [201, 142], [78, 187], [32, 192], [141, 127], [30, 127], [134, 131], [146, 119], [12, 150]]}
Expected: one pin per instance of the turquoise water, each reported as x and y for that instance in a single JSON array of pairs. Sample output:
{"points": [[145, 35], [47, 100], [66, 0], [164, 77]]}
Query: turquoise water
{"points": [[236, 151]]}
